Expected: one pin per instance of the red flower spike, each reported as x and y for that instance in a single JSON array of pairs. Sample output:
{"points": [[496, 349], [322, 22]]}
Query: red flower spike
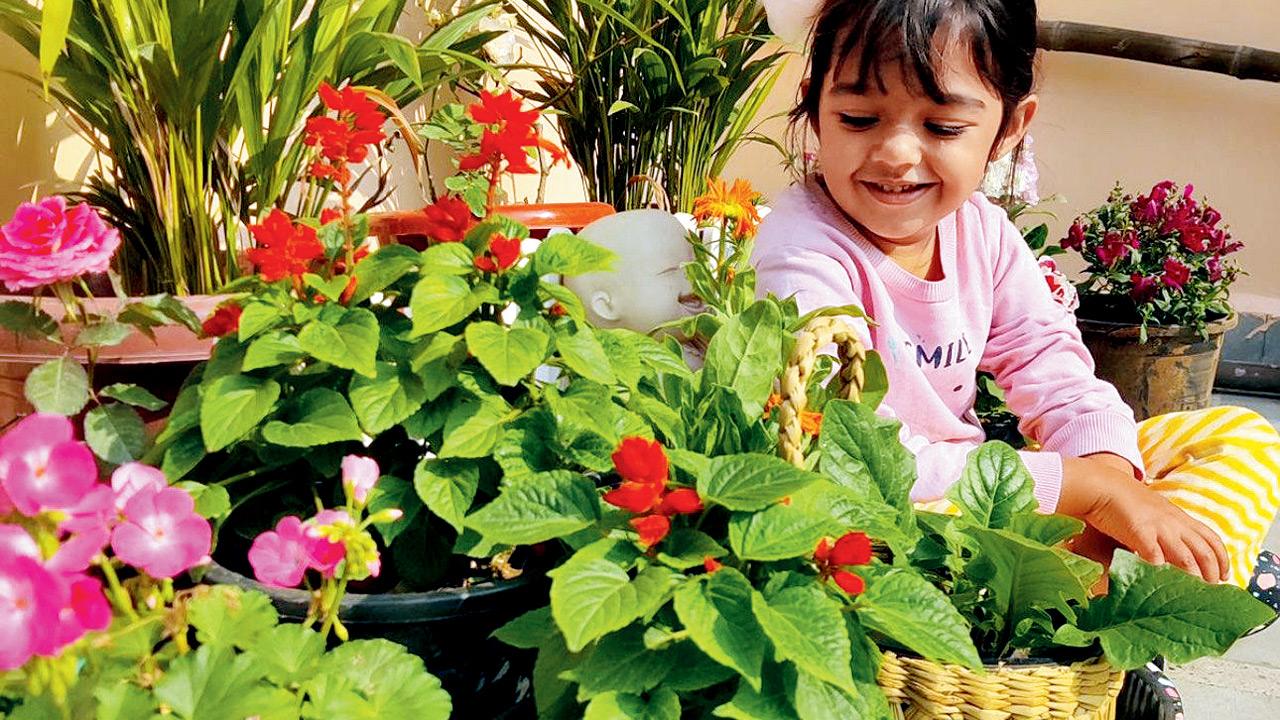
{"points": [[848, 582], [711, 564], [852, 549], [224, 321], [652, 529], [641, 460], [681, 501], [635, 497], [504, 109], [284, 249], [450, 220], [822, 552]]}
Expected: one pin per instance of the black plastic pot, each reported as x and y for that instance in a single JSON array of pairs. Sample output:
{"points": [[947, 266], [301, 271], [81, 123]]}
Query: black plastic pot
{"points": [[449, 629]]}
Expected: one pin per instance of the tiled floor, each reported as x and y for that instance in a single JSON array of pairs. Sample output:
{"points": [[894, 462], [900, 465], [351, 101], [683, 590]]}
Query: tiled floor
{"points": [[1245, 683]]}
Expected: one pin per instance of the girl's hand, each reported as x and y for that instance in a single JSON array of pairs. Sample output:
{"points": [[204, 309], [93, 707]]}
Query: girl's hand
{"points": [[1102, 491]]}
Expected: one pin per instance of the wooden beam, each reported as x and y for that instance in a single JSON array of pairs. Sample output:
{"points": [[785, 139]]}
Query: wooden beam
{"points": [[1246, 63]]}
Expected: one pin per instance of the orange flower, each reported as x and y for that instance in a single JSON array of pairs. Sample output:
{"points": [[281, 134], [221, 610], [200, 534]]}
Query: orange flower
{"points": [[711, 564], [774, 401], [736, 204], [652, 528], [810, 422]]}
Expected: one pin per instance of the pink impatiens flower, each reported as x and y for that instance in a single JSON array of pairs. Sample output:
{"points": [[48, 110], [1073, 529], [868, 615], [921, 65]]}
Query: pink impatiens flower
{"points": [[131, 477], [86, 610], [359, 475], [47, 243], [281, 557], [42, 466], [31, 599], [161, 533]]}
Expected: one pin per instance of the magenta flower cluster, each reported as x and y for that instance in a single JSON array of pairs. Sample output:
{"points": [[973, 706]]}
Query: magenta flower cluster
{"points": [[57, 521], [47, 243]]}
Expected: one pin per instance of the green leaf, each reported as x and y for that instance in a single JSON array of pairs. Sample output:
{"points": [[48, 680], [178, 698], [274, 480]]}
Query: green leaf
{"points": [[566, 254], [289, 654], [685, 548], [115, 433], [861, 450], [531, 630], [214, 683], [771, 702], [403, 54], [777, 533], [183, 455], [619, 106], [447, 487], [473, 428], [816, 699], [107, 333], [387, 399], [232, 405], [122, 701], [663, 704], [621, 663], [55, 23], [351, 344], [58, 386], [393, 493], [545, 506], [319, 417], [392, 682], [900, 604], [1163, 611], [851, 510], [875, 380], [255, 317], [697, 671], [994, 487], [807, 628], [717, 613], [448, 259], [278, 347], [132, 395], [382, 269], [212, 501], [592, 594], [509, 354], [751, 481], [584, 354], [439, 301], [1046, 529], [226, 616], [27, 319], [746, 355]]}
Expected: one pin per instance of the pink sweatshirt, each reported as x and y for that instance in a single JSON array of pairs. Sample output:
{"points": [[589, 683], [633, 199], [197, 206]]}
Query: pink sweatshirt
{"points": [[992, 312]]}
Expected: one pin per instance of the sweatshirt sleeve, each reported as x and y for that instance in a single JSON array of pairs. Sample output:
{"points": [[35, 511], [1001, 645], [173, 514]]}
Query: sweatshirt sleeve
{"points": [[1038, 358]]}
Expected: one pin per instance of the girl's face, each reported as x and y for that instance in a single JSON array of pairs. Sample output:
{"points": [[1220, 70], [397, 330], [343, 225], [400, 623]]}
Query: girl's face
{"points": [[896, 161]]}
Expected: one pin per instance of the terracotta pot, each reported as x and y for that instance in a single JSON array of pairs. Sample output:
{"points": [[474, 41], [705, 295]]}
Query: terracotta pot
{"points": [[1172, 371], [159, 365], [406, 227]]}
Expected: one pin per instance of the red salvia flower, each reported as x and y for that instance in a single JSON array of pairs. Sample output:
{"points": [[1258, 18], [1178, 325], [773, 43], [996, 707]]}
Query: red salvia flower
{"points": [[347, 137], [641, 460], [504, 109], [851, 549], [636, 497], [510, 134], [224, 321], [503, 252], [849, 582], [284, 249], [643, 466], [681, 501], [449, 220], [652, 528]]}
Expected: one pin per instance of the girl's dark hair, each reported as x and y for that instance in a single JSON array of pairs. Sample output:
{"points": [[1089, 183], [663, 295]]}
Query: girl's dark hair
{"points": [[872, 33]]}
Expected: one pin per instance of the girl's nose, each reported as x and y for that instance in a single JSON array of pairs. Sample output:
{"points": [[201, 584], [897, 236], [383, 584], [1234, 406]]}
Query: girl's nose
{"points": [[898, 150]]}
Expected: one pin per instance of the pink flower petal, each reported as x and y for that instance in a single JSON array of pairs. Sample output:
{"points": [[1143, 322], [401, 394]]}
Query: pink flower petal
{"points": [[31, 599], [17, 542], [131, 477], [360, 474]]}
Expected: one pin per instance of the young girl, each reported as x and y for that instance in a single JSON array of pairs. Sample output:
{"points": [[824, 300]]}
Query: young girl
{"points": [[909, 100]]}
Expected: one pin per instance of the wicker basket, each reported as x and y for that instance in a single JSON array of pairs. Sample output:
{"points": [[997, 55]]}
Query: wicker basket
{"points": [[920, 689]]}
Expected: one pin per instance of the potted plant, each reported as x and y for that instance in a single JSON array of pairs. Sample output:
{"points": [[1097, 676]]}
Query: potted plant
{"points": [[1153, 306], [463, 373]]}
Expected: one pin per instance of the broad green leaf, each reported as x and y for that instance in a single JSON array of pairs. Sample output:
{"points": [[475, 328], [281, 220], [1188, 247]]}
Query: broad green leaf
{"points": [[55, 22], [214, 683], [697, 671], [1163, 611], [447, 487], [275, 348], [474, 427], [584, 354], [352, 343], [392, 492], [1046, 529], [752, 481], [27, 320], [440, 301], [255, 317], [509, 354], [531, 630], [382, 269], [543, 507], [566, 254], [912, 611], [861, 450], [289, 653], [387, 399], [806, 627], [525, 448], [592, 593], [121, 701], [392, 682], [229, 617], [115, 433], [994, 487], [815, 699], [319, 417], [746, 355], [685, 548], [58, 386], [212, 501], [875, 380], [448, 259], [717, 613], [621, 663], [851, 510], [780, 532], [772, 701], [183, 455], [130, 394], [663, 704], [107, 333], [232, 405]]}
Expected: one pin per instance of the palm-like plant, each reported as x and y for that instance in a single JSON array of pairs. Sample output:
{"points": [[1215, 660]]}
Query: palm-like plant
{"points": [[662, 88], [197, 107]]}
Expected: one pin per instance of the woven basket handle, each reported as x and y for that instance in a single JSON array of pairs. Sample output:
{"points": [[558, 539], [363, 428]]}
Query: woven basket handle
{"points": [[848, 382]]}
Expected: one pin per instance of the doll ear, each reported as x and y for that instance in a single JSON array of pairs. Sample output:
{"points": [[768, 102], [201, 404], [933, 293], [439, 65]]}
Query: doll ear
{"points": [[602, 305]]}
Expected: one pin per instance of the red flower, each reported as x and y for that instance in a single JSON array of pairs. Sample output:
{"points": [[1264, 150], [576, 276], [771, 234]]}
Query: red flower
{"points": [[851, 549], [347, 137], [224, 321], [450, 219], [328, 215], [681, 501], [652, 528], [321, 170], [557, 310], [1176, 273], [503, 109], [1214, 267], [641, 460], [1114, 247], [284, 249], [711, 564], [637, 497], [503, 252], [848, 582], [1075, 237], [511, 133], [1144, 288]]}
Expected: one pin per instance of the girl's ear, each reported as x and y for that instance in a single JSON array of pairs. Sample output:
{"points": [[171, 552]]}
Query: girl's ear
{"points": [[805, 84], [1019, 122]]}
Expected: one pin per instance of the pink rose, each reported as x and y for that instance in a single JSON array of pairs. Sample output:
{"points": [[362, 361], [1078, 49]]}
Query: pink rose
{"points": [[47, 243], [359, 475], [161, 533], [31, 599], [1176, 273], [42, 467]]}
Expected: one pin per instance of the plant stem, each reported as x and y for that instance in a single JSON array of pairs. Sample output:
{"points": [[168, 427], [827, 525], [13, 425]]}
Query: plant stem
{"points": [[119, 596]]}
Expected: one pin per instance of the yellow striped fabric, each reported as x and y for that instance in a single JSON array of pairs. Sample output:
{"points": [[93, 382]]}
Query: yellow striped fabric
{"points": [[1222, 466]]}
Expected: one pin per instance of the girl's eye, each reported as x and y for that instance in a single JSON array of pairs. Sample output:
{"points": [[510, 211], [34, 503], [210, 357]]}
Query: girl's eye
{"points": [[942, 130], [858, 122]]}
